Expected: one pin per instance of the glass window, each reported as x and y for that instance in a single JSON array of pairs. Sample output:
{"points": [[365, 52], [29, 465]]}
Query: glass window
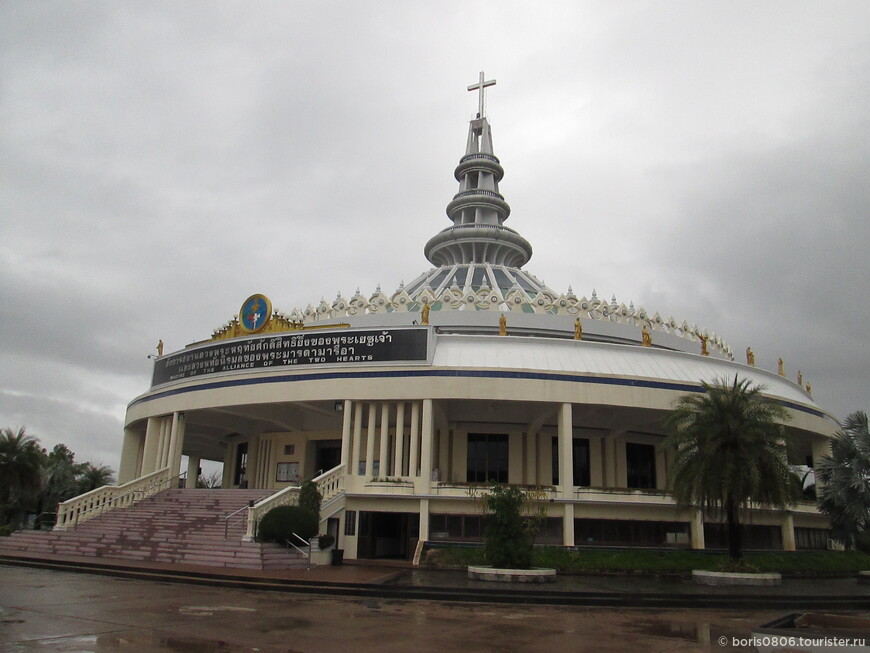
{"points": [[640, 462], [580, 448], [501, 279], [478, 276], [487, 458]]}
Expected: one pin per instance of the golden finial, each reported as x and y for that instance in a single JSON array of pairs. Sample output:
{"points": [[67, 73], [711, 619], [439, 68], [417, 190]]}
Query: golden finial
{"points": [[424, 314], [810, 389], [704, 339], [781, 368], [750, 357], [800, 378], [502, 325], [160, 347], [578, 330]]}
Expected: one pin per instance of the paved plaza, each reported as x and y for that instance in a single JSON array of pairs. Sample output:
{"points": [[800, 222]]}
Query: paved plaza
{"points": [[44, 610]]}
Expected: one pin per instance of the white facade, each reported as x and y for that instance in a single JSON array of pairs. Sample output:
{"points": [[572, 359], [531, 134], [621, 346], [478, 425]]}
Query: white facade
{"points": [[507, 381]]}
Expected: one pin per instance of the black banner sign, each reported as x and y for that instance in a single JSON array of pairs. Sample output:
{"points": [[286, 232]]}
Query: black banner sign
{"points": [[294, 349]]}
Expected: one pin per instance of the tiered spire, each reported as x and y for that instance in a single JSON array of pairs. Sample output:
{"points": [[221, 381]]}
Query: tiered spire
{"points": [[478, 210]]}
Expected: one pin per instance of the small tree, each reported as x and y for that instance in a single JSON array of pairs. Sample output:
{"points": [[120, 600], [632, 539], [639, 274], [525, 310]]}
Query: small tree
{"points": [[21, 464], [282, 523], [512, 522], [730, 451], [310, 498], [845, 475]]}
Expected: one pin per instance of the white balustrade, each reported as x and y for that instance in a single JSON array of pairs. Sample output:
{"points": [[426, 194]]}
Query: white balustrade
{"points": [[97, 502]]}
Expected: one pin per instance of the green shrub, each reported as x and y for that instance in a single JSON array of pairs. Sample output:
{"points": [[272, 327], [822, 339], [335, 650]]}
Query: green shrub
{"points": [[310, 498], [5, 530], [509, 535], [326, 541], [279, 524]]}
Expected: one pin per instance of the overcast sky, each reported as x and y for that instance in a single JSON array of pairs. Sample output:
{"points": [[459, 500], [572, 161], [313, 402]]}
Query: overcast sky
{"points": [[162, 161]]}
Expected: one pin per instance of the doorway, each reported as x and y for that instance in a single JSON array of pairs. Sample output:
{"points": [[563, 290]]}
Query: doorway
{"points": [[327, 454], [388, 535]]}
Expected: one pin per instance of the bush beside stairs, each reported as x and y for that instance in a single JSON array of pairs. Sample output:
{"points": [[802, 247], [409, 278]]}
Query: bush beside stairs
{"points": [[174, 526]]}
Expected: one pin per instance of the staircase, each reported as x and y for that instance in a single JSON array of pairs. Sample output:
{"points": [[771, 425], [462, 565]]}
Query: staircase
{"points": [[173, 527]]}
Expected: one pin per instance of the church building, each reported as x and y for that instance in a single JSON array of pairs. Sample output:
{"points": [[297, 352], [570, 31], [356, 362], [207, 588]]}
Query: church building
{"points": [[398, 405]]}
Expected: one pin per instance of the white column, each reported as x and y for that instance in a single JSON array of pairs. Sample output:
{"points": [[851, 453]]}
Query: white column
{"points": [[399, 456], [620, 463], [414, 458], [129, 456], [176, 443], [532, 458], [152, 441], [384, 452], [568, 524], [252, 469], [346, 421], [192, 471], [788, 541], [161, 444], [357, 437], [426, 446], [566, 453], [370, 441], [229, 458], [444, 454], [696, 530], [424, 520]]}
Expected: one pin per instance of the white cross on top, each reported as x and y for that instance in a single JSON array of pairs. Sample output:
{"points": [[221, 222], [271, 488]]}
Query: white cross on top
{"points": [[480, 86]]}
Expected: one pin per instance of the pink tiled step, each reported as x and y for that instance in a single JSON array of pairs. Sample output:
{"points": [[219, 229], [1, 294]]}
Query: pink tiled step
{"points": [[175, 526]]}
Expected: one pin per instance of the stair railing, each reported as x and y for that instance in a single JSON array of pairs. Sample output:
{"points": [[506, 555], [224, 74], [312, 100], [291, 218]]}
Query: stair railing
{"points": [[329, 484], [306, 543], [92, 504], [232, 514]]}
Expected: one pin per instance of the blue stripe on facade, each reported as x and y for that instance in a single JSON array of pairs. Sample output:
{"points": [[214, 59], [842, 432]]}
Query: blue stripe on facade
{"points": [[475, 374]]}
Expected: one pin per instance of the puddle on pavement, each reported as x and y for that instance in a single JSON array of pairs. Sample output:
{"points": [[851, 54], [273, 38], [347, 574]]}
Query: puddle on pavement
{"points": [[143, 642], [209, 610], [691, 631]]}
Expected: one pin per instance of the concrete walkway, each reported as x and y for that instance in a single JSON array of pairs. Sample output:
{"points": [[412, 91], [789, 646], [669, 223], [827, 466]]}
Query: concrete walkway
{"points": [[398, 580]]}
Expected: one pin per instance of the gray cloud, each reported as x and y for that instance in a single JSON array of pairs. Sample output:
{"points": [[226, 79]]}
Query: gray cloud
{"points": [[162, 162]]}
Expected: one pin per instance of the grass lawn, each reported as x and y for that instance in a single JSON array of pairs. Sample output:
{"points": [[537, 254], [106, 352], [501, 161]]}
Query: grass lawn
{"points": [[662, 561]]}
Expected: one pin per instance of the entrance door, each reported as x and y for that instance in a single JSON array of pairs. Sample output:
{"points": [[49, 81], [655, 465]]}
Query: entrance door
{"points": [[327, 454], [388, 535]]}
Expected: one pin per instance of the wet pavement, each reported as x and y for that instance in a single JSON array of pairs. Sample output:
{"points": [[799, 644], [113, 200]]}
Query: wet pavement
{"points": [[44, 610]]}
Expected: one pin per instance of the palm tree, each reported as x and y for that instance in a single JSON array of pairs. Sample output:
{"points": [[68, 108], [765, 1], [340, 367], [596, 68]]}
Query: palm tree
{"points": [[93, 476], [845, 476], [20, 470], [730, 452]]}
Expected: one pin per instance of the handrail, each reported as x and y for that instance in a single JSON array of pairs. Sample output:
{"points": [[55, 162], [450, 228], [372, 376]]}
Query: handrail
{"points": [[234, 512], [329, 484], [108, 497], [307, 543]]}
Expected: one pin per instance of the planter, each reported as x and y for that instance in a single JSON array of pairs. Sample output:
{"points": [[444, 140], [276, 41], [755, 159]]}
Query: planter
{"points": [[390, 487], [494, 574], [321, 556], [703, 577], [337, 557]]}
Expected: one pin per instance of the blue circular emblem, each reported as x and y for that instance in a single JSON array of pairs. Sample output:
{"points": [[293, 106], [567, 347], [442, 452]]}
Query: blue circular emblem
{"points": [[255, 313]]}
